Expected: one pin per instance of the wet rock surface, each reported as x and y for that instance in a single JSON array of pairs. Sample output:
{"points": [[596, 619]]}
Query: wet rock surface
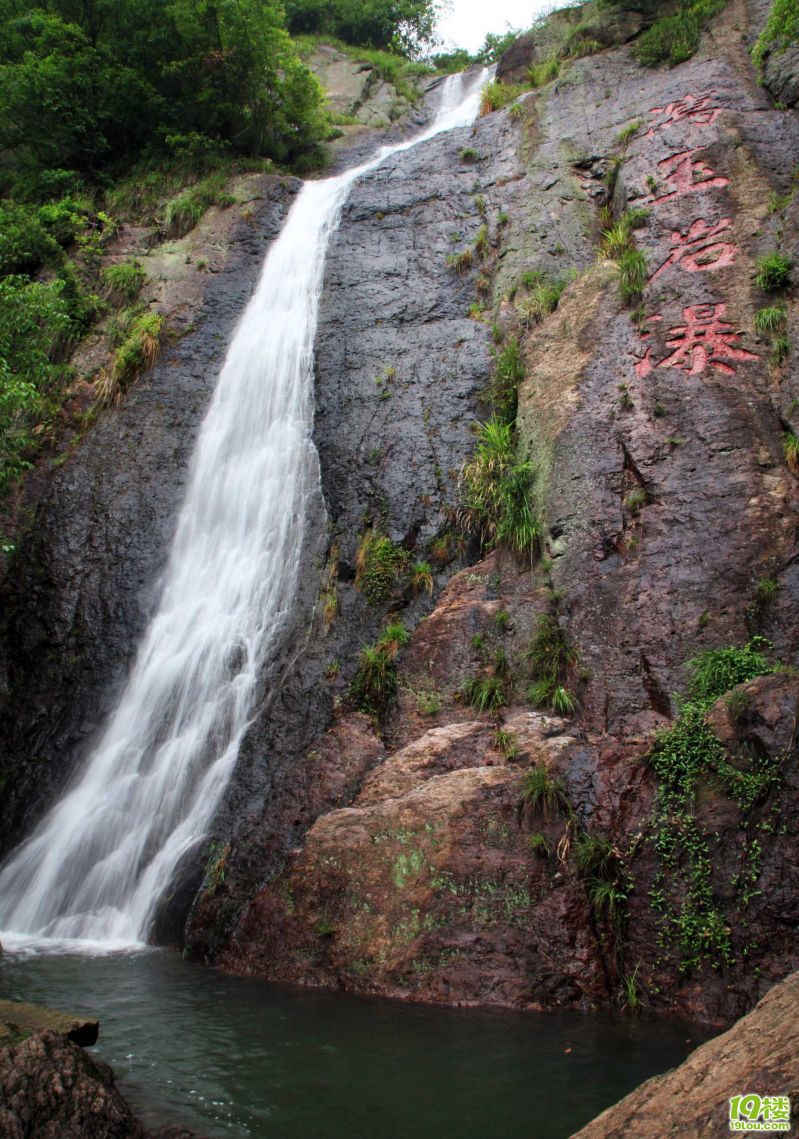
{"points": [[52, 1089]]}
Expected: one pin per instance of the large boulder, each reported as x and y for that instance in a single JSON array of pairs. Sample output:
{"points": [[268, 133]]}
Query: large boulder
{"points": [[51, 1089]]}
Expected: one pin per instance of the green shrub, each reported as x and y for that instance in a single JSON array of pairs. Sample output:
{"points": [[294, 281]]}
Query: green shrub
{"points": [[64, 220], [773, 272], [781, 30], [123, 282], [34, 323], [25, 244], [381, 567], [496, 95], [675, 38], [715, 671]]}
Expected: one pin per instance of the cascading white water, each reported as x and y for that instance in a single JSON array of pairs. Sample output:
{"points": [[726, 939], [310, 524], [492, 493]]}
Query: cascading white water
{"points": [[96, 866]]}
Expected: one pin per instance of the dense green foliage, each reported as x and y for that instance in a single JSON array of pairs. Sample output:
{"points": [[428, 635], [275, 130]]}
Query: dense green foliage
{"points": [[682, 758], [402, 25], [781, 30], [169, 93], [673, 39], [87, 87], [33, 319]]}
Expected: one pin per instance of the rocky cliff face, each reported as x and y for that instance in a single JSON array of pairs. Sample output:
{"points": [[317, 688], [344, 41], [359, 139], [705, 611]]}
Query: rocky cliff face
{"points": [[520, 857]]}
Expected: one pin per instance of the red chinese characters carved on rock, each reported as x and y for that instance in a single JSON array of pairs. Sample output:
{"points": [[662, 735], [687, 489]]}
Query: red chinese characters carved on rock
{"points": [[698, 249], [704, 341], [688, 175], [698, 109]]}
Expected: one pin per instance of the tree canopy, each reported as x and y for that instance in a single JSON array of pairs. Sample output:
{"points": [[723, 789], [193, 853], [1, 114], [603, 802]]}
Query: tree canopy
{"points": [[86, 85]]}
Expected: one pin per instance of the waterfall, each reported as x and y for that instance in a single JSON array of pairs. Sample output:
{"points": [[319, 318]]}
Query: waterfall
{"points": [[95, 867]]}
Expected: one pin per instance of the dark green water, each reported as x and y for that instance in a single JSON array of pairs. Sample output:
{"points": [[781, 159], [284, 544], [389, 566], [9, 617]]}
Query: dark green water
{"points": [[236, 1057]]}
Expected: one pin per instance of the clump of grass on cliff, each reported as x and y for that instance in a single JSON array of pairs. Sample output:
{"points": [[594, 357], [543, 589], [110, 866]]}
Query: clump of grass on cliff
{"points": [[673, 39], [781, 30], [138, 335], [553, 662], [618, 244], [123, 282], [496, 493], [375, 684]]}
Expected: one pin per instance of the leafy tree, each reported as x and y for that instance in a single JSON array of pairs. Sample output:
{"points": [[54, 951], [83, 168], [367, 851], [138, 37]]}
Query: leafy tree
{"points": [[33, 320], [404, 26]]}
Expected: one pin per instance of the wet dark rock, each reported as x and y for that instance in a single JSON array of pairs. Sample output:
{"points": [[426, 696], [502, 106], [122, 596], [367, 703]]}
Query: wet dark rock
{"points": [[781, 75], [51, 1089]]}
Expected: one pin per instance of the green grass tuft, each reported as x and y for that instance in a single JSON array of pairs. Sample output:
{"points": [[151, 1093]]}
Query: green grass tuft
{"points": [[773, 272], [122, 283]]}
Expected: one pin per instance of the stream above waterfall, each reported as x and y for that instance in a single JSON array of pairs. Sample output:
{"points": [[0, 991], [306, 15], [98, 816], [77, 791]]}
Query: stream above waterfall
{"points": [[237, 1057]]}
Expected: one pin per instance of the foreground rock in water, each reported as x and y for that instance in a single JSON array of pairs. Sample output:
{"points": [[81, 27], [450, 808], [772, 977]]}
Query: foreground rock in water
{"points": [[759, 1055], [52, 1089], [18, 1019]]}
